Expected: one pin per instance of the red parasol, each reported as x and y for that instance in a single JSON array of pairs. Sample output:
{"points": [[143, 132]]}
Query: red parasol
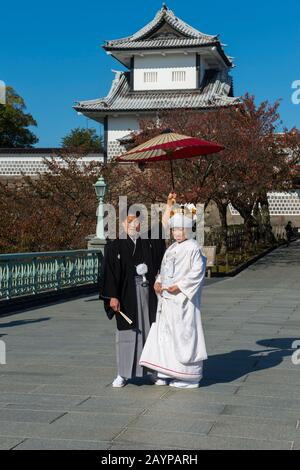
{"points": [[169, 146]]}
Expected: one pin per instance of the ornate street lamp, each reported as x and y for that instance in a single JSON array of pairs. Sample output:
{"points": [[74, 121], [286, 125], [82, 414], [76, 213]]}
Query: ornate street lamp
{"points": [[100, 190]]}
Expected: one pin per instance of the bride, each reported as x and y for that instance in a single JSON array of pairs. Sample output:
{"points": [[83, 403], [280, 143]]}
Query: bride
{"points": [[175, 346]]}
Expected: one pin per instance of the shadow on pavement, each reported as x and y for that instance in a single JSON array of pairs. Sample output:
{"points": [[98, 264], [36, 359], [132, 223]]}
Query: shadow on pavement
{"points": [[225, 368], [22, 322]]}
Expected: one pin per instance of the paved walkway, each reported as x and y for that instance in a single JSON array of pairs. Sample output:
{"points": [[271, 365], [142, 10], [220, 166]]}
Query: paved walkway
{"points": [[55, 389]]}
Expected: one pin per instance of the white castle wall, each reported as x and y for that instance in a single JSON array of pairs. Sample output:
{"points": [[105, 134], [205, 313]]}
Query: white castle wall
{"points": [[117, 127], [281, 203], [31, 165], [15, 165], [163, 66]]}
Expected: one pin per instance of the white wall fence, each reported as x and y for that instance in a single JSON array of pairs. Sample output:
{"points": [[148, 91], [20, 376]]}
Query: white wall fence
{"points": [[281, 203], [31, 165]]}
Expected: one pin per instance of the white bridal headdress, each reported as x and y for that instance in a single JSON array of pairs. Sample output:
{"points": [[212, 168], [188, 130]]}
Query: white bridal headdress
{"points": [[183, 217]]}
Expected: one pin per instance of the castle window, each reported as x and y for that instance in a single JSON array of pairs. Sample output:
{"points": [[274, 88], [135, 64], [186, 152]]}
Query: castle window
{"points": [[150, 77], [179, 76]]}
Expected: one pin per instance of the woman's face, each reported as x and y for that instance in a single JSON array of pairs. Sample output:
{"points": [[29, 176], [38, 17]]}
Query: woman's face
{"points": [[179, 234]]}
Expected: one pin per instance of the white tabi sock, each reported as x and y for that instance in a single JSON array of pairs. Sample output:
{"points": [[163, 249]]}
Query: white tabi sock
{"points": [[119, 382]]}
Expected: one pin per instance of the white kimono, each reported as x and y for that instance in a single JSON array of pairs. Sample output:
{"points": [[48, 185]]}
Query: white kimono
{"points": [[175, 346]]}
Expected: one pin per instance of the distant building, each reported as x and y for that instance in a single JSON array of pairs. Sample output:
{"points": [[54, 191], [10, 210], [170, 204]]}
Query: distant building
{"points": [[171, 65]]}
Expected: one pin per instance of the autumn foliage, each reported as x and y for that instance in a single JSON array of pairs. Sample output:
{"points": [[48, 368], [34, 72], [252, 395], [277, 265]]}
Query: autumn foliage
{"points": [[57, 210]]}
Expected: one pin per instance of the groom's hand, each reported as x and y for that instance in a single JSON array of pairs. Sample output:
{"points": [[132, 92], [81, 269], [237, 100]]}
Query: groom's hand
{"points": [[158, 287], [174, 290], [114, 304]]}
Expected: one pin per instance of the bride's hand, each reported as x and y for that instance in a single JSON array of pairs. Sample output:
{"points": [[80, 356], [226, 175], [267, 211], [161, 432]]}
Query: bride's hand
{"points": [[174, 290]]}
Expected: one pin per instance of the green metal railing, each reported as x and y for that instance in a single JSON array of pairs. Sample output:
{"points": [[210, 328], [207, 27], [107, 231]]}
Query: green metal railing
{"points": [[32, 273]]}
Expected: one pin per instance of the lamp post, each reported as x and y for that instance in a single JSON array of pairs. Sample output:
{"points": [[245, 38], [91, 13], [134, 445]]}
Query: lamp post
{"points": [[100, 189]]}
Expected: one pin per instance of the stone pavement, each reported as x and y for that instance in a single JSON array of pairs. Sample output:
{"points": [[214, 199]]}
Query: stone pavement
{"points": [[55, 389]]}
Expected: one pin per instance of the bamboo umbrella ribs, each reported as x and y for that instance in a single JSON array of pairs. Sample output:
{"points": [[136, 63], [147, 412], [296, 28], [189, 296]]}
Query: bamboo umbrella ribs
{"points": [[169, 146]]}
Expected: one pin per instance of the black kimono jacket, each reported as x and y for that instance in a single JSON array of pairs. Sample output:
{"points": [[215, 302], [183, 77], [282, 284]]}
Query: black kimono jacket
{"points": [[118, 276]]}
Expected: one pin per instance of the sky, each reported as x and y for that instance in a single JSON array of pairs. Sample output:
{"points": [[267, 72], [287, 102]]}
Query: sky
{"points": [[50, 51]]}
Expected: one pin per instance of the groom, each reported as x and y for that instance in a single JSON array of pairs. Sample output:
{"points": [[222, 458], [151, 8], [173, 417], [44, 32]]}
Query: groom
{"points": [[124, 290]]}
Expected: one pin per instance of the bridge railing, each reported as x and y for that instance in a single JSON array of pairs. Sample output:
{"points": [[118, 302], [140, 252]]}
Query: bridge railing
{"points": [[32, 273]]}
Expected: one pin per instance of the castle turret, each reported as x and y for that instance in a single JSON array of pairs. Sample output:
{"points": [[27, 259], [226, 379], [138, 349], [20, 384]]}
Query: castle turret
{"points": [[170, 65]]}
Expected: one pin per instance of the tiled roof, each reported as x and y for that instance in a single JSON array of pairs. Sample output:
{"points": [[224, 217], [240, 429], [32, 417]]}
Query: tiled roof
{"points": [[161, 42], [165, 31], [32, 150], [163, 16], [36, 151], [215, 92]]}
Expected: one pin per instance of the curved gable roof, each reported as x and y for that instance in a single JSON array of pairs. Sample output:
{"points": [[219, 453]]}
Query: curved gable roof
{"points": [[162, 17], [215, 92]]}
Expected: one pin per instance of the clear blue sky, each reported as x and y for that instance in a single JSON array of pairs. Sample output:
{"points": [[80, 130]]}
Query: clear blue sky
{"points": [[50, 50]]}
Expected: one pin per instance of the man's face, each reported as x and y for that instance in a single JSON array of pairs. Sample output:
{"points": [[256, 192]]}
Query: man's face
{"points": [[132, 225], [179, 234]]}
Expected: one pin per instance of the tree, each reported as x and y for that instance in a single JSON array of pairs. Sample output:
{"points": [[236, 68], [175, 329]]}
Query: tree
{"points": [[14, 122], [58, 210], [290, 140], [84, 140], [55, 211], [254, 160]]}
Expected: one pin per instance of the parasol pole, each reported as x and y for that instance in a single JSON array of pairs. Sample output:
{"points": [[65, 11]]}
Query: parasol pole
{"points": [[172, 175]]}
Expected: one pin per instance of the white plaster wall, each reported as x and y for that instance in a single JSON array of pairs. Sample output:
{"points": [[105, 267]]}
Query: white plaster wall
{"points": [[117, 127], [164, 65], [280, 203], [14, 165]]}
